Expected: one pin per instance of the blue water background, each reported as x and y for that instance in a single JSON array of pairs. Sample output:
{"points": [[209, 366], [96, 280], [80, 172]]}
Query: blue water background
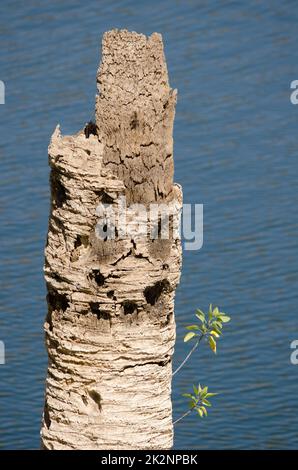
{"points": [[235, 152]]}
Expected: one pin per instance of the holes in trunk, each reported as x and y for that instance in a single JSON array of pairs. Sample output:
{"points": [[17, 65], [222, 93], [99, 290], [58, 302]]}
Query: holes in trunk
{"points": [[81, 240], [97, 277], [58, 191], [46, 415], [129, 307], [95, 396], [100, 314], [152, 293], [56, 276], [78, 242], [104, 197], [49, 321], [111, 295], [90, 129], [168, 318], [57, 301]]}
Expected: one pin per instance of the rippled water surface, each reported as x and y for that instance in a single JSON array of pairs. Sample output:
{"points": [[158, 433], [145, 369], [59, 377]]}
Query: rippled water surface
{"points": [[235, 152]]}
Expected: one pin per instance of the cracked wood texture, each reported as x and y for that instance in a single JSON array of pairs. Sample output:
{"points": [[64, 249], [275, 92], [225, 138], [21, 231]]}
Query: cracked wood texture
{"points": [[110, 328]]}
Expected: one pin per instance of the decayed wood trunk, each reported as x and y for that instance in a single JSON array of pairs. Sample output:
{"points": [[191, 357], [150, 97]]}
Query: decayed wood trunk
{"points": [[110, 328]]}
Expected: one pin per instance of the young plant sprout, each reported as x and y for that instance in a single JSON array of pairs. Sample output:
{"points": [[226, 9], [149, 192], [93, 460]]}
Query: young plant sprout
{"points": [[209, 328], [197, 402]]}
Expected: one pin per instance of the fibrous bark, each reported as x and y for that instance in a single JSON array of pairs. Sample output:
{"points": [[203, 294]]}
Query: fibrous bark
{"points": [[110, 328]]}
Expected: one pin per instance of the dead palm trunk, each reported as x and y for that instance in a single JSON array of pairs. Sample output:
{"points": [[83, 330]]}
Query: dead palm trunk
{"points": [[110, 328]]}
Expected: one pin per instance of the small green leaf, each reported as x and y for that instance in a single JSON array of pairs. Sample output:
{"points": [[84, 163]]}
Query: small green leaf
{"points": [[224, 318], [212, 344], [214, 333], [201, 316], [187, 395], [204, 392], [192, 327], [211, 395], [216, 312], [206, 402], [195, 389], [189, 336], [218, 324], [215, 328], [204, 410], [200, 412]]}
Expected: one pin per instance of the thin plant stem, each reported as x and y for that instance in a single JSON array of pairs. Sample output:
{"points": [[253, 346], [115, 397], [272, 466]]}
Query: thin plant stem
{"points": [[182, 416], [188, 355]]}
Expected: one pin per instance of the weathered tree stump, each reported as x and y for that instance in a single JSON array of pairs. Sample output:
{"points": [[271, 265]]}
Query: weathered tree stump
{"points": [[110, 328]]}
